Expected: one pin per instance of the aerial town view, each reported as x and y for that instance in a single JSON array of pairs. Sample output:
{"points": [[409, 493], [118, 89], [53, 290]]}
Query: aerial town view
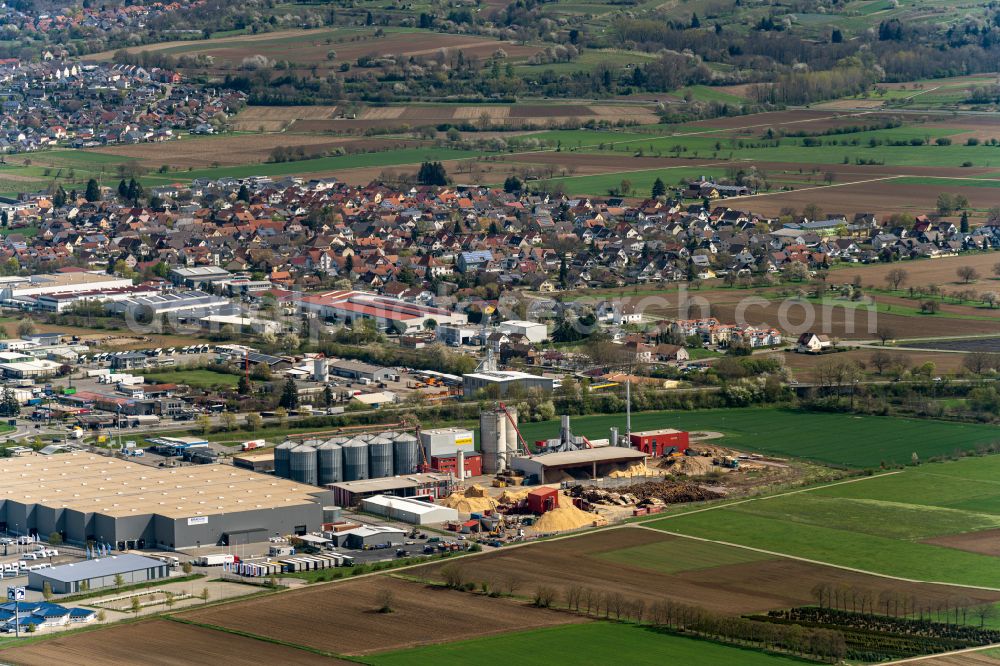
{"points": [[514, 332]]}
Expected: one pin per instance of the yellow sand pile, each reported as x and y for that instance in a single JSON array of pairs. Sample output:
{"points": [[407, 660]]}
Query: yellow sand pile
{"points": [[566, 517], [475, 500], [635, 470], [513, 496]]}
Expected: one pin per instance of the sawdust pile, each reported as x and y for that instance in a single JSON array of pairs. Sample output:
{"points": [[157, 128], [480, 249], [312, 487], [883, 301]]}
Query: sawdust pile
{"points": [[635, 470], [565, 518], [692, 466], [513, 496], [474, 500]]}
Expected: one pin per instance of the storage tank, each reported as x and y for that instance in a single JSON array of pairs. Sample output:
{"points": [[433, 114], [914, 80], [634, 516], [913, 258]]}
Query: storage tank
{"points": [[302, 462], [321, 372], [355, 460], [281, 458], [379, 458], [331, 514], [613, 436], [390, 434], [406, 454], [330, 463], [511, 432], [493, 440]]}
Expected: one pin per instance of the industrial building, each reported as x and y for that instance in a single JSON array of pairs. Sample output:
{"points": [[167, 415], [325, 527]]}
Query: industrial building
{"points": [[660, 442], [498, 383], [388, 313], [87, 497], [98, 573], [472, 464], [582, 464], [430, 484], [534, 331], [358, 371], [456, 335], [22, 292], [446, 441], [198, 277], [255, 462], [179, 304], [408, 510]]}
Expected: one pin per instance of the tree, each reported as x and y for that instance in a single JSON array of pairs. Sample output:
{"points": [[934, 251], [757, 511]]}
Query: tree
{"points": [[228, 420], [204, 423], [289, 395], [797, 270], [896, 277], [327, 396], [187, 568], [123, 189], [432, 173], [136, 605], [9, 404], [55, 538], [659, 188], [119, 580], [885, 334], [964, 223], [254, 421], [243, 194], [930, 307], [512, 184], [880, 360], [26, 327], [385, 598], [93, 192], [244, 387], [169, 599], [47, 590], [967, 274]]}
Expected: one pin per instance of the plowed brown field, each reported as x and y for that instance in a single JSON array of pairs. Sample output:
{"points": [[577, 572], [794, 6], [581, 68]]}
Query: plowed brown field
{"points": [[738, 588], [985, 542], [159, 643], [342, 617]]}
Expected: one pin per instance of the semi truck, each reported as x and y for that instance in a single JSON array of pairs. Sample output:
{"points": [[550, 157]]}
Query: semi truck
{"points": [[215, 560]]}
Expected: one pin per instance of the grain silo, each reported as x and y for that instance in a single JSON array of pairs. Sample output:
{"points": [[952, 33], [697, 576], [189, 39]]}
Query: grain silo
{"points": [[510, 430], [302, 461], [379, 458], [282, 467], [355, 460], [493, 440], [406, 454], [330, 463]]}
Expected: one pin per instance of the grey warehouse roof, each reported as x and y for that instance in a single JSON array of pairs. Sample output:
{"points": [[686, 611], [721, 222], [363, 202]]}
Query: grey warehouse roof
{"points": [[105, 566]]}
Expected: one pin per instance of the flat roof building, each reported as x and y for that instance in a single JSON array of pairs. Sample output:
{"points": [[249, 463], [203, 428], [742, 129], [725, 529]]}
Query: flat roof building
{"points": [[407, 510], [350, 493], [88, 497], [98, 573], [581, 464], [499, 382]]}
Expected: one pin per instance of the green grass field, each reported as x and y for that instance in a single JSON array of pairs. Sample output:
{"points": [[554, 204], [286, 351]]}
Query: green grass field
{"points": [[678, 555], [195, 378], [597, 643], [840, 439], [891, 516]]}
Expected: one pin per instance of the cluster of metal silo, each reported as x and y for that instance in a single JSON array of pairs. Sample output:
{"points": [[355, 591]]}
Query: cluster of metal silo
{"points": [[366, 456]]}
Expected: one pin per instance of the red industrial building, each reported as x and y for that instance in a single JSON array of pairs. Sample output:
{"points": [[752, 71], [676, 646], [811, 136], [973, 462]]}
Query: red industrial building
{"points": [[660, 442], [449, 464], [541, 500]]}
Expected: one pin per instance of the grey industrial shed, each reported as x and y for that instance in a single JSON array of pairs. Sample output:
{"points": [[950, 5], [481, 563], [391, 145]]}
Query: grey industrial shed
{"points": [[99, 573]]}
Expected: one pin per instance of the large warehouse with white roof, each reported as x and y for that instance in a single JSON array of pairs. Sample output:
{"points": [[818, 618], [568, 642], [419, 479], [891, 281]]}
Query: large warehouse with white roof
{"points": [[87, 497]]}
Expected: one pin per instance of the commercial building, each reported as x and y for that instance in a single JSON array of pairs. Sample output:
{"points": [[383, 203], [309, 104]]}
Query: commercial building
{"points": [[446, 441], [388, 313], [660, 442], [87, 497], [256, 462], [199, 277], [432, 485], [407, 510], [357, 371], [456, 335], [532, 330], [581, 465], [179, 304], [498, 383], [369, 535], [35, 368], [22, 292], [98, 573], [32, 616]]}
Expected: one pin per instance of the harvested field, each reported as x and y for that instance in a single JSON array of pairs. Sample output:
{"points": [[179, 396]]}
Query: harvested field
{"points": [[421, 615], [242, 149], [928, 271], [159, 643], [477, 112], [989, 657], [879, 195], [772, 582], [986, 542], [383, 113], [277, 118]]}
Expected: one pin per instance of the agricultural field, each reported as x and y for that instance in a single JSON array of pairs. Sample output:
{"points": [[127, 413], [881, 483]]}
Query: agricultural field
{"points": [[934, 522], [613, 561], [158, 643], [596, 643], [420, 615], [837, 439]]}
